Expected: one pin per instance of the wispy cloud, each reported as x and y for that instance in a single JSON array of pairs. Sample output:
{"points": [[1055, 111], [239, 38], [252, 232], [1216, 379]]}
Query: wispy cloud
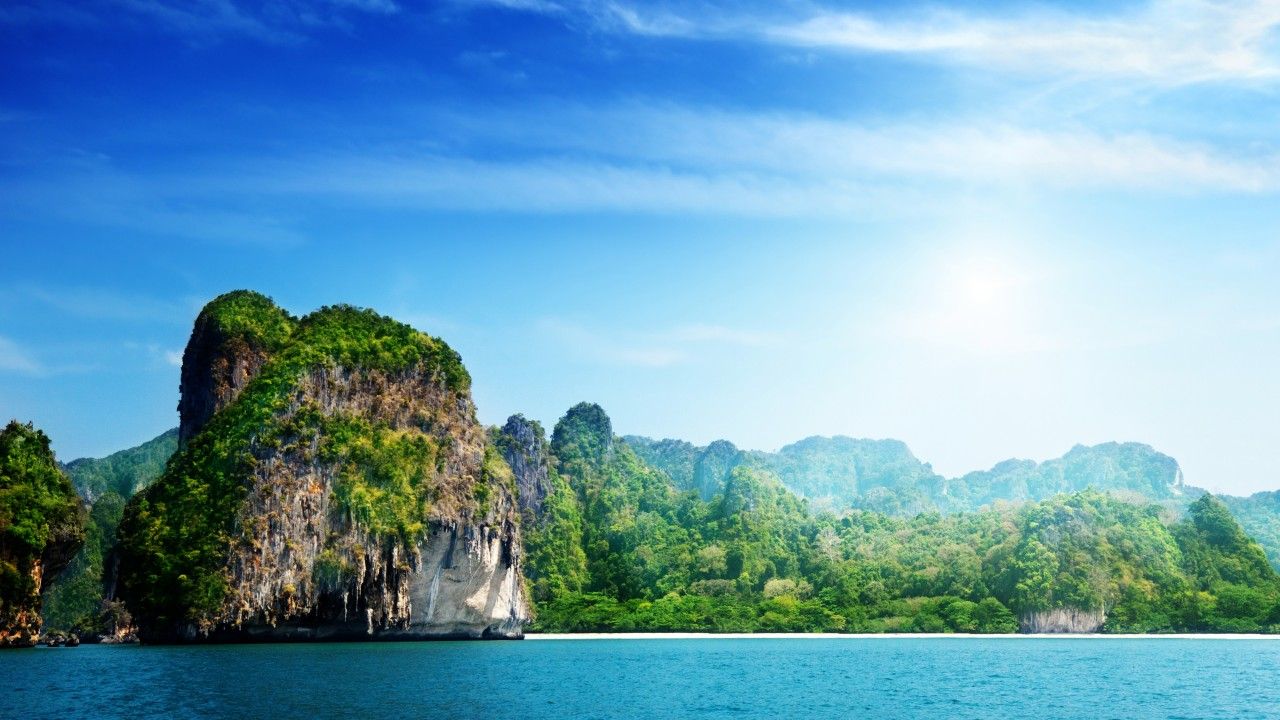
{"points": [[1169, 42], [1166, 41], [156, 353], [546, 7], [15, 358], [677, 160], [691, 160]]}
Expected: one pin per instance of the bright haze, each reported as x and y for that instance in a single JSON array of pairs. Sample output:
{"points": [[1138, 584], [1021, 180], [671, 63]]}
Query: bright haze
{"points": [[988, 229]]}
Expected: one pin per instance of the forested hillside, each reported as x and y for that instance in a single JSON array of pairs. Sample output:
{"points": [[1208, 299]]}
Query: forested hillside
{"points": [[755, 557], [76, 602]]}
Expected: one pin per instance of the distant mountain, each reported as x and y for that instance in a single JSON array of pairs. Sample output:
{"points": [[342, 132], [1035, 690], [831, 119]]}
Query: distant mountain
{"points": [[690, 467], [1111, 467], [840, 473], [124, 472]]}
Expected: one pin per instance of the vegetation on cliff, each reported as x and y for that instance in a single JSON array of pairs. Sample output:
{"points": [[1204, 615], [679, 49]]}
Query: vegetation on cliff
{"points": [[41, 527], [550, 512], [175, 536]]}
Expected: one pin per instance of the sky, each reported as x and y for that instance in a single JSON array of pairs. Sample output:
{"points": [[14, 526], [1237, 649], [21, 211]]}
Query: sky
{"points": [[989, 229]]}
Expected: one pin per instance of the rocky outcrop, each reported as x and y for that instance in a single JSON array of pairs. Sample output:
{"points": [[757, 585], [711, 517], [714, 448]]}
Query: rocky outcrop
{"points": [[20, 621], [303, 570], [523, 445], [224, 354], [372, 506], [1062, 620]]}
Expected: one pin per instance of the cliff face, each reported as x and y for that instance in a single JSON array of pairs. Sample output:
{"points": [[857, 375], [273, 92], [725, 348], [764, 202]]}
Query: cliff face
{"points": [[345, 490], [299, 569], [1063, 620], [523, 445], [233, 337]]}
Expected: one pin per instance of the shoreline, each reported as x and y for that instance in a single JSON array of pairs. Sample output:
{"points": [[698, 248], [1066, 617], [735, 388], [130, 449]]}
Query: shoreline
{"points": [[892, 636]]}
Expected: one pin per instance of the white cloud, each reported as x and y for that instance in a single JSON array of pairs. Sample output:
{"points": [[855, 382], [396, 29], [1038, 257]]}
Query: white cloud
{"points": [[14, 358], [676, 160], [173, 357], [545, 7], [1168, 42], [684, 160]]}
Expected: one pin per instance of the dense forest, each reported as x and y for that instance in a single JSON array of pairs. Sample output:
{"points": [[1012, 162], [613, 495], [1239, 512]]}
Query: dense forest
{"points": [[753, 557]]}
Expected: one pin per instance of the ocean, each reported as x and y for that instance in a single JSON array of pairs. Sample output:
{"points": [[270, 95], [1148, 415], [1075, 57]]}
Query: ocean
{"points": [[677, 678]]}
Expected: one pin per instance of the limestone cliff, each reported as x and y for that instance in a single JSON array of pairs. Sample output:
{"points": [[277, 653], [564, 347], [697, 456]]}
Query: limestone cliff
{"points": [[342, 488], [523, 445], [233, 337], [1063, 620]]}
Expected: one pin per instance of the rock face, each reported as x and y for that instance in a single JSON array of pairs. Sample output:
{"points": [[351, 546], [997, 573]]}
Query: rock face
{"points": [[367, 503], [223, 354], [523, 445], [1063, 620]]}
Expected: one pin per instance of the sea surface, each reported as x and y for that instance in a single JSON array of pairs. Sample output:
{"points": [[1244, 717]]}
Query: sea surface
{"points": [[656, 679]]}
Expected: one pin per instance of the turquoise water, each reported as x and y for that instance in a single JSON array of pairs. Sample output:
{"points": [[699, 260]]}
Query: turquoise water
{"points": [[700, 678]]}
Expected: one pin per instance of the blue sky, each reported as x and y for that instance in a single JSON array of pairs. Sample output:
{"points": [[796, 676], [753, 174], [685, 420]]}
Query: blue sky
{"points": [[990, 229]]}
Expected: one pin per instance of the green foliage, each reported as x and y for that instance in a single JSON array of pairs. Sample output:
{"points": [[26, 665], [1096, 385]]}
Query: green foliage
{"points": [[74, 602], [125, 472], [838, 473], [37, 501], [756, 558], [555, 563], [41, 518], [1259, 516], [1216, 549], [249, 316], [175, 535]]}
